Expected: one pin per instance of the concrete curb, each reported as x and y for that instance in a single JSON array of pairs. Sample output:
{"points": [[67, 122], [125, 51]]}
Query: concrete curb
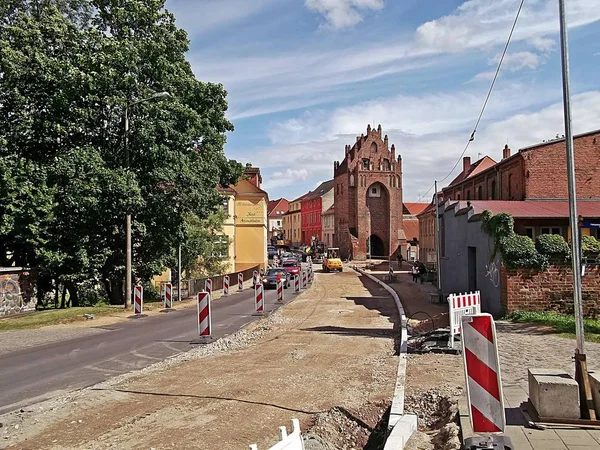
{"points": [[400, 426]]}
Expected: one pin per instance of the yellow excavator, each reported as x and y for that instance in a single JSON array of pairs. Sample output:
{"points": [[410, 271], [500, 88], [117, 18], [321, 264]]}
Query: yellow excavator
{"points": [[332, 261]]}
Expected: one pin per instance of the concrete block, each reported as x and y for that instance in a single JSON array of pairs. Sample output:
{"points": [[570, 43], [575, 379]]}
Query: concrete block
{"points": [[401, 432], [553, 393], [594, 377]]}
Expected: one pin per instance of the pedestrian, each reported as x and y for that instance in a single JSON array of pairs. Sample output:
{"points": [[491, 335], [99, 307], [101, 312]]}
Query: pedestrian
{"points": [[400, 260], [422, 272], [415, 271]]}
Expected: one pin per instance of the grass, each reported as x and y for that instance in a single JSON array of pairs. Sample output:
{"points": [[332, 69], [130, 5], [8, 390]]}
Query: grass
{"points": [[562, 323], [53, 317]]}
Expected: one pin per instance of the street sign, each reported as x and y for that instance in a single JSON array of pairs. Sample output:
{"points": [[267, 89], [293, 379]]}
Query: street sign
{"points": [[591, 224]]}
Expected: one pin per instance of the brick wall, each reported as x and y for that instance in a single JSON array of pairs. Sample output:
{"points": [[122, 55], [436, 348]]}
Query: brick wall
{"points": [[549, 163], [550, 290]]}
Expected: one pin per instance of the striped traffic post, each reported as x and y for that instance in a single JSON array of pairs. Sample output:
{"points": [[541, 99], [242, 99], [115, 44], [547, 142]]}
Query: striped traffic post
{"points": [[310, 274], [168, 297], [138, 300], [482, 369], [240, 281], [259, 300], [204, 315], [226, 285], [280, 291], [297, 283], [208, 286], [304, 282]]}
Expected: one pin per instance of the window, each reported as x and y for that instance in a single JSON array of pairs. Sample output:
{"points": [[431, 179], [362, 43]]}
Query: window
{"points": [[366, 164], [510, 186], [468, 195], [551, 230], [480, 193], [457, 196], [530, 232], [375, 191], [374, 147], [225, 205], [279, 223], [351, 180], [493, 190]]}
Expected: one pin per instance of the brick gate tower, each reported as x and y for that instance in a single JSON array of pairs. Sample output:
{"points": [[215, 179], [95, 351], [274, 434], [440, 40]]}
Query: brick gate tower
{"points": [[368, 198]]}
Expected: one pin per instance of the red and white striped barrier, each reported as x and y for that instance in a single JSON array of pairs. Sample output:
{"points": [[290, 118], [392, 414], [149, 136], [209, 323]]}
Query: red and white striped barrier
{"points": [[310, 274], [138, 300], [240, 281], [208, 286], [168, 297], [204, 315], [280, 291], [226, 285], [461, 305], [391, 272], [259, 299], [297, 283], [304, 281], [255, 279], [482, 371]]}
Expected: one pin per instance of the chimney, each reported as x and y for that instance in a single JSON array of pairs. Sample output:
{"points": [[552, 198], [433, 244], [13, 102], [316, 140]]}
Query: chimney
{"points": [[379, 129], [466, 163], [506, 152], [368, 129]]}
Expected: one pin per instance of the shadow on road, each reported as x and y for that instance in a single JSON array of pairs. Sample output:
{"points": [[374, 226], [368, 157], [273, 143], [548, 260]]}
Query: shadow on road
{"points": [[209, 397], [372, 332]]}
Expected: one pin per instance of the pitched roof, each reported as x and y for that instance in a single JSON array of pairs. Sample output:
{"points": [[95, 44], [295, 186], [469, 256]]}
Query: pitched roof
{"points": [[532, 209], [477, 167], [411, 229], [300, 198], [281, 204], [320, 191], [414, 208], [330, 210]]}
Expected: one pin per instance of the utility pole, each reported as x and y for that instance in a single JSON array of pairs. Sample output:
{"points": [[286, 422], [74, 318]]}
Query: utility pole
{"points": [[581, 373], [179, 273], [437, 239]]}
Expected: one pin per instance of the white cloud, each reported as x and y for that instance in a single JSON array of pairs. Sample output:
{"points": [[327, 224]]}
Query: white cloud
{"points": [[284, 178], [343, 13], [543, 44], [517, 61], [486, 23], [429, 132]]}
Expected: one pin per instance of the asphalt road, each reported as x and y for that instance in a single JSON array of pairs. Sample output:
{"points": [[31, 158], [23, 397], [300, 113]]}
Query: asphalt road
{"points": [[39, 373]]}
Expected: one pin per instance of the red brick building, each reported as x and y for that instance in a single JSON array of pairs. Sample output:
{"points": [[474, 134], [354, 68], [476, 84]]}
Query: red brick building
{"points": [[314, 204], [536, 172], [368, 198]]}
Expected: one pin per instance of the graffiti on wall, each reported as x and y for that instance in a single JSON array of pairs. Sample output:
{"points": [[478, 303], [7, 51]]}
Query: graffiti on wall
{"points": [[493, 273]]}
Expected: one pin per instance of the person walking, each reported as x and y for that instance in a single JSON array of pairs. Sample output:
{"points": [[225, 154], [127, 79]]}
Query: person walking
{"points": [[400, 260], [415, 271], [422, 272]]}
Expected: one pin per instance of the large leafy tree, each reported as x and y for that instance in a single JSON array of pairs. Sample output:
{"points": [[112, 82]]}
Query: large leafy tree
{"points": [[68, 71]]}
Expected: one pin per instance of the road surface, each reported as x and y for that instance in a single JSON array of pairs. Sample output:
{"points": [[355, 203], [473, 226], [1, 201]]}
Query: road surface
{"points": [[38, 373]]}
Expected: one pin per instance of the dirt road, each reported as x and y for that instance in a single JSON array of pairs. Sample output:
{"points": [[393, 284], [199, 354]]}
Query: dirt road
{"points": [[332, 347]]}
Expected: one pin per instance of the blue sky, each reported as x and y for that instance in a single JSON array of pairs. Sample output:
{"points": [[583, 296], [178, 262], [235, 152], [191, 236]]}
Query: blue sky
{"points": [[305, 77]]}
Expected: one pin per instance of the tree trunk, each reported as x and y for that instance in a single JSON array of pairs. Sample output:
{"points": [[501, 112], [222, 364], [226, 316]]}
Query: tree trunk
{"points": [[63, 298], [73, 294], [114, 290], [55, 294]]}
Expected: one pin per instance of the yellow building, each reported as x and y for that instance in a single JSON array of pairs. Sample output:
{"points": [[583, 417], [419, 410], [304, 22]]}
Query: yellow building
{"points": [[292, 222], [246, 224]]}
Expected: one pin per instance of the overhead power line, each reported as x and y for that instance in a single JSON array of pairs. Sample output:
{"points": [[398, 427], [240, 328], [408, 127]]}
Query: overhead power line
{"points": [[487, 98]]}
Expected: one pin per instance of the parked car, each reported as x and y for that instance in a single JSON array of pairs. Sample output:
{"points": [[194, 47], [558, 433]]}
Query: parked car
{"points": [[292, 266], [273, 275], [271, 251]]}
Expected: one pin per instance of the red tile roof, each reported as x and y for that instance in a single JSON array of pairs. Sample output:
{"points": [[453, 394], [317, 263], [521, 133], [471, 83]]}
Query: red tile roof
{"points": [[477, 167], [411, 229], [533, 209], [320, 191], [415, 208], [330, 210]]}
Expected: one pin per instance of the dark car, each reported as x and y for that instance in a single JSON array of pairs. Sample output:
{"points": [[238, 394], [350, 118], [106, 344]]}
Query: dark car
{"points": [[291, 266], [272, 275], [271, 251]]}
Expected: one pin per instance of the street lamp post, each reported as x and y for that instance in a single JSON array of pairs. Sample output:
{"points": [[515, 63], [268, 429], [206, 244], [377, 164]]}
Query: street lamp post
{"points": [[128, 286]]}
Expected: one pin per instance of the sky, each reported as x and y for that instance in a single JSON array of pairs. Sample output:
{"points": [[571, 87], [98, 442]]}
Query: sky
{"points": [[305, 77]]}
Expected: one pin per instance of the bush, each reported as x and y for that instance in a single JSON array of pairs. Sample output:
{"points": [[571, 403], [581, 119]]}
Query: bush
{"points": [[589, 244], [552, 245], [151, 293], [519, 251]]}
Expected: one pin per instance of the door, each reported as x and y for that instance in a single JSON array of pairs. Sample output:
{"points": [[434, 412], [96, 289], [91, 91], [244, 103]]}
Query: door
{"points": [[472, 268]]}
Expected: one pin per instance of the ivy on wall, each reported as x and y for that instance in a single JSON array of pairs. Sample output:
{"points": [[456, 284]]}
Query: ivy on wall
{"points": [[517, 251]]}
